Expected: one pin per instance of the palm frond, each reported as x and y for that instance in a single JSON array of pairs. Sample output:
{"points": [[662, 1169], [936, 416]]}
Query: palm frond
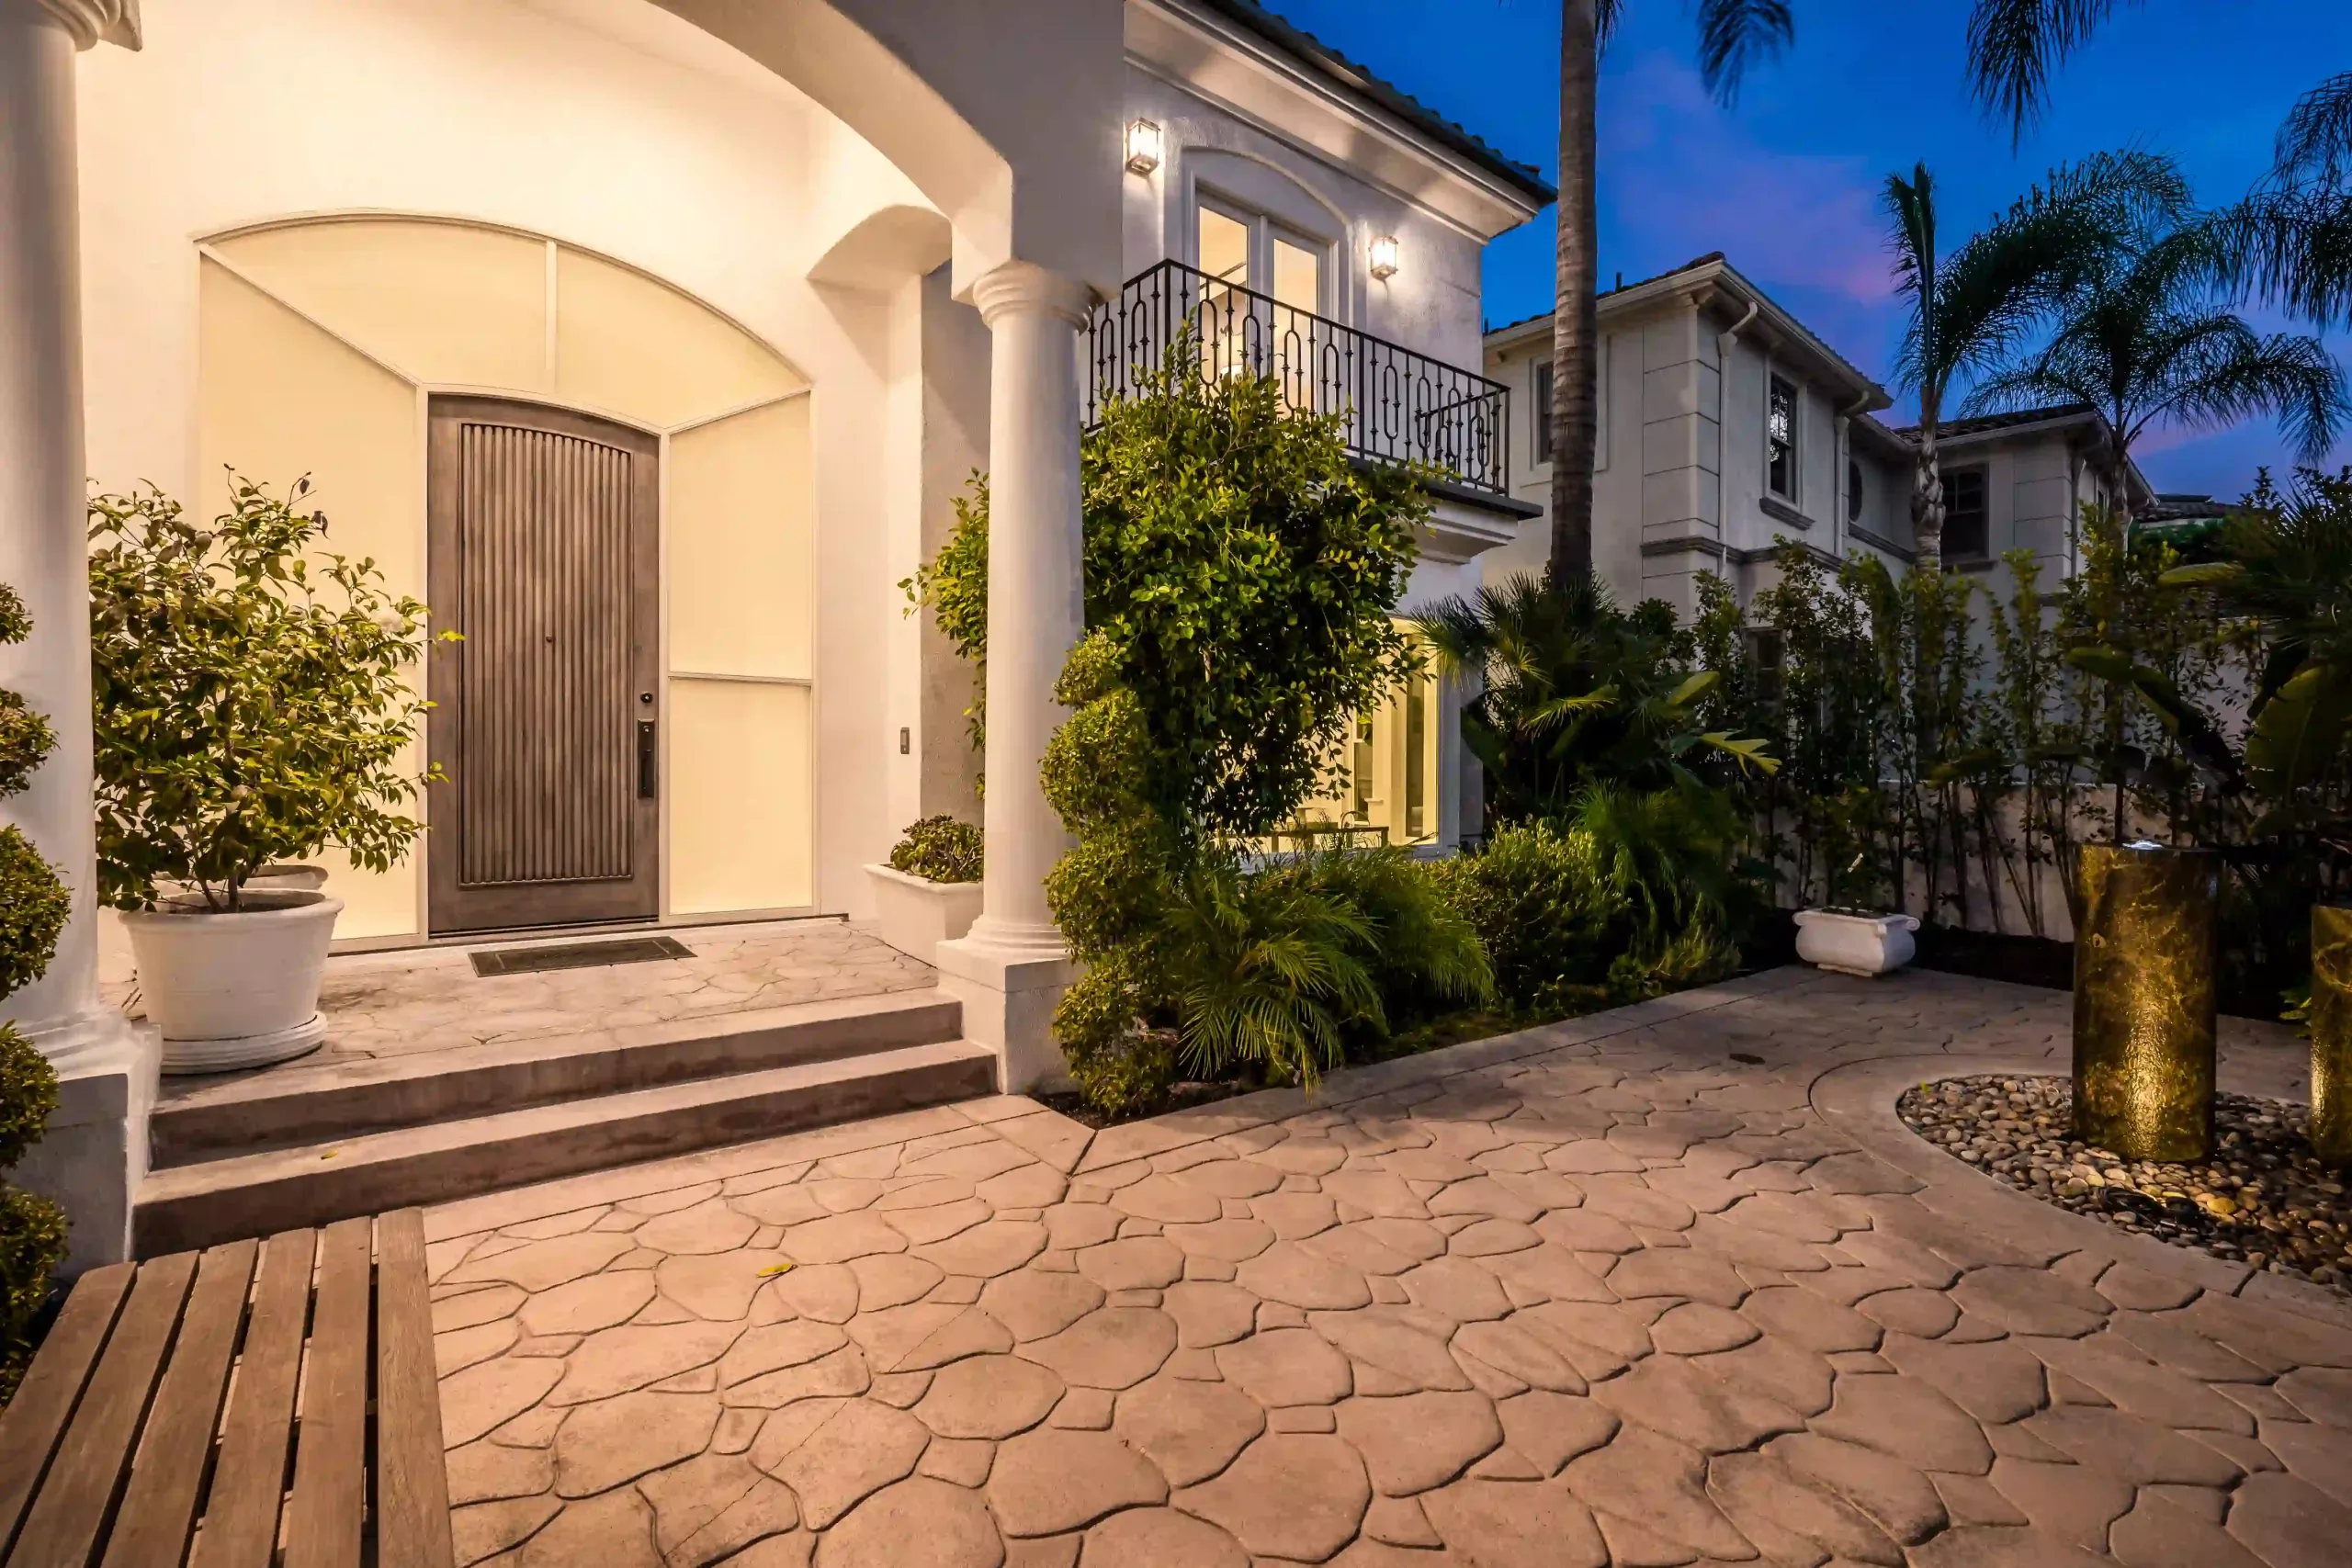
{"points": [[1737, 34], [2014, 45], [2314, 143]]}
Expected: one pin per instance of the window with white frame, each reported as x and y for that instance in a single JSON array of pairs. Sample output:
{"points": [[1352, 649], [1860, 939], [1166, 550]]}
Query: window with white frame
{"points": [[1272, 328], [1539, 403], [1781, 438]]}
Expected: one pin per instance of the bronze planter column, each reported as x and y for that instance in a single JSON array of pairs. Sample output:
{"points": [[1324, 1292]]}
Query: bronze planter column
{"points": [[2144, 1001], [2331, 1018]]}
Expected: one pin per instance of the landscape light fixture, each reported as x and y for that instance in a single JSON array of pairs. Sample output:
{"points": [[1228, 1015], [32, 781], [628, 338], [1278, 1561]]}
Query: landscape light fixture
{"points": [[1143, 147], [1384, 257]]}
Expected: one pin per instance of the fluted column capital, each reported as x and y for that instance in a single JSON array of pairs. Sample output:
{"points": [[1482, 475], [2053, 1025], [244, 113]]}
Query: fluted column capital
{"points": [[1023, 288], [94, 21]]}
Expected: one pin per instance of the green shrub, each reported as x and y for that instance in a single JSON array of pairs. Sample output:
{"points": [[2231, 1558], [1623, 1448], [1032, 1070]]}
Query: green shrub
{"points": [[253, 702], [1245, 570], [1633, 898], [939, 849], [34, 905]]}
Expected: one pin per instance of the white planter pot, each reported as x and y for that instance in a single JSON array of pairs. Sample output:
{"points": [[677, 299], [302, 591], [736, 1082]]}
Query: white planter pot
{"points": [[916, 916], [278, 876], [1855, 944], [234, 990]]}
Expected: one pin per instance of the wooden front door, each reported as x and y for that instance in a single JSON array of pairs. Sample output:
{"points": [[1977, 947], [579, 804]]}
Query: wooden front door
{"points": [[543, 557]]}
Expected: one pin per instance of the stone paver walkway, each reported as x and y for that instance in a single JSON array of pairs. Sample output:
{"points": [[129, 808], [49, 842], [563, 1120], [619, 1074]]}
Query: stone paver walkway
{"points": [[414, 1000], [1659, 1286]]}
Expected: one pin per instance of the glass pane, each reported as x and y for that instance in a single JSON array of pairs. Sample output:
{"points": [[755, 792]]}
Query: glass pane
{"points": [[1298, 276], [1781, 438], [1225, 247], [1226, 332]]}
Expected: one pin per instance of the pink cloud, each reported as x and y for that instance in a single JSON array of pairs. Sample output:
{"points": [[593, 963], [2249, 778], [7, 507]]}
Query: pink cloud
{"points": [[1683, 178]]}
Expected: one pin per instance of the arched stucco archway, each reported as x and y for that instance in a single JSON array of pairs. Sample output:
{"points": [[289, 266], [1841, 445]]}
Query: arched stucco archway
{"points": [[1006, 115]]}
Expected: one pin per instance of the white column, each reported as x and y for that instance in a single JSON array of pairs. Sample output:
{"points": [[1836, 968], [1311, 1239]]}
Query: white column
{"points": [[1011, 968], [95, 1149]]}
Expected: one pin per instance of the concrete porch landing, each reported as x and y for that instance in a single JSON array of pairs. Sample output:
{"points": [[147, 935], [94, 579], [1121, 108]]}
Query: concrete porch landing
{"points": [[436, 1082], [410, 1001]]}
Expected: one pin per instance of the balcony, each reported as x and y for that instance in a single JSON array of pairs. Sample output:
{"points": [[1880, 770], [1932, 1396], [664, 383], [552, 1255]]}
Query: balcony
{"points": [[1394, 405]]}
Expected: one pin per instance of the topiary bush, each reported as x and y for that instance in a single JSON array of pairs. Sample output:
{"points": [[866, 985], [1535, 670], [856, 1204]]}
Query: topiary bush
{"points": [[939, 849], [33, 909]]}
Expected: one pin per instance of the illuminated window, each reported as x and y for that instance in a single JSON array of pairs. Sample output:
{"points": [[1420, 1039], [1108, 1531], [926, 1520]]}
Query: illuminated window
{"points": [[1386, 778], [1272, 330]]}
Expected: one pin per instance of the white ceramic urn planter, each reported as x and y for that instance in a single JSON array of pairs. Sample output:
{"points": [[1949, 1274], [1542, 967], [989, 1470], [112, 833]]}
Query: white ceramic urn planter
{"points": [[235, 989], [916, 915], [1845, 943]]}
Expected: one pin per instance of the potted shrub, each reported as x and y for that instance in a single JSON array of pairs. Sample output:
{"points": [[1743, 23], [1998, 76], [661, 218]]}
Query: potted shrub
{"points": [[252, 707], [33, 908], [930, 892], [1852, 932]]}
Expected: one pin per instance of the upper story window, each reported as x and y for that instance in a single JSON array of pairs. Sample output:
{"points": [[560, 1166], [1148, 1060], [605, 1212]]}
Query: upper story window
{"points": [[1540, 408], [1780, 439], [1252, 251], [1853, 491], [1967, 518]]}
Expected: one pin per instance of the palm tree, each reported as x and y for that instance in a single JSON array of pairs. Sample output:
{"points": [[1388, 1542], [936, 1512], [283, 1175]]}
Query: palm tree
{"points": [[1733, 34], [2291, 237], [1968, 309], [2141, 339]]}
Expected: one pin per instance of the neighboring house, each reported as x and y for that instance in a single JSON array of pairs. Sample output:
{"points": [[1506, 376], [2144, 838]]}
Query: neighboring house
{"points": [[1726, 427], [702, 312]]}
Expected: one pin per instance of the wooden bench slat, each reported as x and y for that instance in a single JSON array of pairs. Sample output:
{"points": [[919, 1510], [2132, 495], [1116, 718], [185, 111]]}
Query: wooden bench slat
{"points": [[76, 1501], [159, 1506], [412, 1473], [328, 1510], [249, 1482], [36, 1418]]}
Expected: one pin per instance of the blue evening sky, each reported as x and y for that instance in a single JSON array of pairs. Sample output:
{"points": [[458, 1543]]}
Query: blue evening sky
{"points": [[1785, 182]]}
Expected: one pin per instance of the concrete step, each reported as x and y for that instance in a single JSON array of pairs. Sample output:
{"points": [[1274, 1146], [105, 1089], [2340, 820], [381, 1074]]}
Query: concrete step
{"points": [[254, 1194], [293, 1106]]}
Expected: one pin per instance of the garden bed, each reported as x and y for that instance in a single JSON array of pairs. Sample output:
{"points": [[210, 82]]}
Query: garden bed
{"points": [[2263, 1198]]}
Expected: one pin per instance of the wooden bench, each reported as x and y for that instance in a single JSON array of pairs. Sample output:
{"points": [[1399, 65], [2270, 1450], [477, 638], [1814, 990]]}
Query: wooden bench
{"points": [[157, 1427]]}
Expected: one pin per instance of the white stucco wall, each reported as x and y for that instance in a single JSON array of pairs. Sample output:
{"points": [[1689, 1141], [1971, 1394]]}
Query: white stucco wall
{"points": [[606, 124]]}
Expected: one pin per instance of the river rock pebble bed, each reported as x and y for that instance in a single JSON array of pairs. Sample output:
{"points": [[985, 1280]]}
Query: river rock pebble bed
{"points": [[2263, 1198]]}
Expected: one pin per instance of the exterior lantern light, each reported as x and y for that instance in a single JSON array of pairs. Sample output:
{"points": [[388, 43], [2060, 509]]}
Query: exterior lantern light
{"points": [[1143, 147], [1384, 257]]}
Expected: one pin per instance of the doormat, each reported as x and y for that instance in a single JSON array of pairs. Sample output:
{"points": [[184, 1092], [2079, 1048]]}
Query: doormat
{"points": [[579, 955]]}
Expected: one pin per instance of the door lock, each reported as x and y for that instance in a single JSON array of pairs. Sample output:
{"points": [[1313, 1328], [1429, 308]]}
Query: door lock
{"points": [[648, 753]]}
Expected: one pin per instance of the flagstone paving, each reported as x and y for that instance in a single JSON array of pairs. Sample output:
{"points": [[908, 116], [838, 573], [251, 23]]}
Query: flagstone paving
{"points": [[1598, 1293]]}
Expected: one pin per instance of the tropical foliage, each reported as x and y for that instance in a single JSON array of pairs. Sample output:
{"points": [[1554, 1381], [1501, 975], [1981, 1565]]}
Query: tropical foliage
{"points": [[1573, 691], [254, 697], [1969, 309], [2140, 336], [34, 905], [1245, 570], [1946, 748]]}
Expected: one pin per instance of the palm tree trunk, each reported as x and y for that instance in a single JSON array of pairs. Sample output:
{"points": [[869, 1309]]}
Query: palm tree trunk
{"points": [[1928, 490], [1574, 327]]}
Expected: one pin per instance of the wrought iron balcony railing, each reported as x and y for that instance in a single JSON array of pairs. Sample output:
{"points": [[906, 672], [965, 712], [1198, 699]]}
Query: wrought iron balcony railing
{"points": [[1395, 405]]}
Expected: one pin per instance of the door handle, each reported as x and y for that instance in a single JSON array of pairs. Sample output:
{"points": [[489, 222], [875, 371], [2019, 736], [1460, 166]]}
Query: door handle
{"points": [[648, 754]]}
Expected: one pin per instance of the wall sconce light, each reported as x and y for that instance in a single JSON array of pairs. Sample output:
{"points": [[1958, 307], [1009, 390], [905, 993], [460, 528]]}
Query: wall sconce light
{"points": [[1143, 147], [1384, 257]]}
